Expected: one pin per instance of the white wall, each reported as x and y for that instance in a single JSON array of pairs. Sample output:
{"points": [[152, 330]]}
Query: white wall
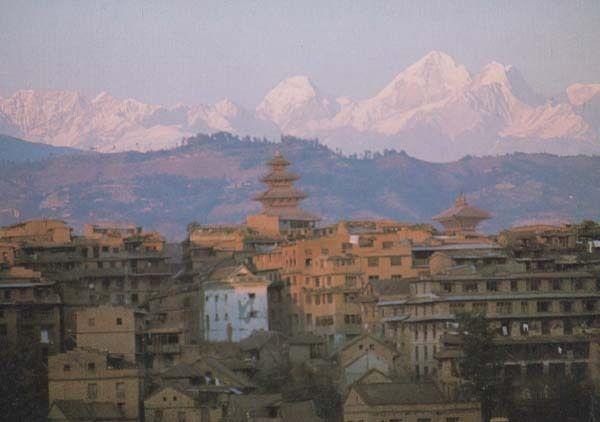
{"points": [[235, 307]]}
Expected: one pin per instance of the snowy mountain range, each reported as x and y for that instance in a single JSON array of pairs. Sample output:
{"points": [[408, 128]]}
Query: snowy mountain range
{"points": [[435, 110]]}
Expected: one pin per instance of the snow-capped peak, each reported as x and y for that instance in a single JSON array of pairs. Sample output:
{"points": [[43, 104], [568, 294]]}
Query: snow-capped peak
{"points": [[294, 99], [494, 73], [294, 90], [226, 107], [582, 93]]}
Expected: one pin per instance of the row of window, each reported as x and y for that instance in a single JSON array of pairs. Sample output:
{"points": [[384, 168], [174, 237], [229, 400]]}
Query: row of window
{"points": [[92, 390], [373, 261], [514, 285], [525, 307]]}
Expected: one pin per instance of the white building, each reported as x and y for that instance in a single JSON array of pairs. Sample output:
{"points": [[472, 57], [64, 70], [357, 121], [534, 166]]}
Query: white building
{"points": [[235, 304]]}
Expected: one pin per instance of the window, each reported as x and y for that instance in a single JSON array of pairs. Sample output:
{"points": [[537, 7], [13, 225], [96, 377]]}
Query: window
{"points": [[92, 391], [492, 286], [543, 306], [395, 260], [534, 285], [452, 419], [253, 314], [180, 416], [566, 306], [556, 285], [470, 287], [456, 308], [91, 366], [387, 245], [590, 305], [66, 368], [308, 299], [251, 296], [396, 277], [91, 322], [317, 299], [119, 321], [567, 327], [524, 307], [514, 285], [120, 390], [480, 307], [447, 287], [373, 261], [329, 298], [545, 327], [504, 307], [158, 415]]}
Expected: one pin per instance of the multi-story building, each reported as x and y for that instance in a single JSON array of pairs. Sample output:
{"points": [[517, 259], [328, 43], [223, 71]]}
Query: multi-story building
{"points": [[90, 376], [540, 318], [405, 401], [235, 304], [30, 309], [323, 274], [112, 328], [109, 264]]}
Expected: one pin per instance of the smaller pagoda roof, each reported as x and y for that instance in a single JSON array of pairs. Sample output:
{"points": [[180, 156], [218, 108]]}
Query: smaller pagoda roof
{"points": [[278, 160], [292, 214], [276, 193], [280, 176], [462, 209]]}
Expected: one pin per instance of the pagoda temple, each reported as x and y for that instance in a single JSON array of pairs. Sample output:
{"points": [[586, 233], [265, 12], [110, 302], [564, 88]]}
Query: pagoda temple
{"points": [[281, 213], [462, 218]]}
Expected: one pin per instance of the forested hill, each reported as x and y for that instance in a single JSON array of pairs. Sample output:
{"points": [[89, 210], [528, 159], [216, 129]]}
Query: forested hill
{"points": [[212, 179]]}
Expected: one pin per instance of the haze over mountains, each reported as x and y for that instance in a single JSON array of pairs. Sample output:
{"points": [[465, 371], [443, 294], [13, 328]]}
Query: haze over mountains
{"points": [[434, 110], [211, 179]]}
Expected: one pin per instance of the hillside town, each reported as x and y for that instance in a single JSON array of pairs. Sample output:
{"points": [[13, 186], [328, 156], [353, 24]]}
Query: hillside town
{"points": [[287, 318]]}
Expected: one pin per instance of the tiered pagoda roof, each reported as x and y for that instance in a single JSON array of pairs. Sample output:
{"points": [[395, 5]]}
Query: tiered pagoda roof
{"points": [[462, 217], [281, 198]]}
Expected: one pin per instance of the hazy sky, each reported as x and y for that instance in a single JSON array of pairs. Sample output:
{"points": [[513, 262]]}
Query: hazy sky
{"points": [[197, 52]]}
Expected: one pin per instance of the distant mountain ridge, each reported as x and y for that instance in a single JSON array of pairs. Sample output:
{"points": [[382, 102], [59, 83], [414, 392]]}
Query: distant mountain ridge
{"points": [[435, 110], [17, 151], [211, 179]]}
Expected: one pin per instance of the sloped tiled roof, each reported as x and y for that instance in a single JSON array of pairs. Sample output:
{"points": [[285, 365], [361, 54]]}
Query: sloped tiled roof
{"points": [[77, 410], [306, 338], [390, 287], [382, 394], [258, 339], [462, 209], [189, 370]]}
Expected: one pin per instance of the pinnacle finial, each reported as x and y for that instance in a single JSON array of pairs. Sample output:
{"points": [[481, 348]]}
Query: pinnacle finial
{"points": [[461, 200]]}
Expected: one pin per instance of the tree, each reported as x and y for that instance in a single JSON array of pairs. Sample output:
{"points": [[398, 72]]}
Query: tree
{"points": [[23, 382], [481, 364]]}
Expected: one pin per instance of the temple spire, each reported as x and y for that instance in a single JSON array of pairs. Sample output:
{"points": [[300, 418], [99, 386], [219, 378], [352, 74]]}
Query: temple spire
{"points": [[462, 218], [281, 200]]}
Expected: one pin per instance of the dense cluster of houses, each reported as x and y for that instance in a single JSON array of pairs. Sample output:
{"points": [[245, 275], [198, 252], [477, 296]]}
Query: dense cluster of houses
{"points": [[134, 329]]}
